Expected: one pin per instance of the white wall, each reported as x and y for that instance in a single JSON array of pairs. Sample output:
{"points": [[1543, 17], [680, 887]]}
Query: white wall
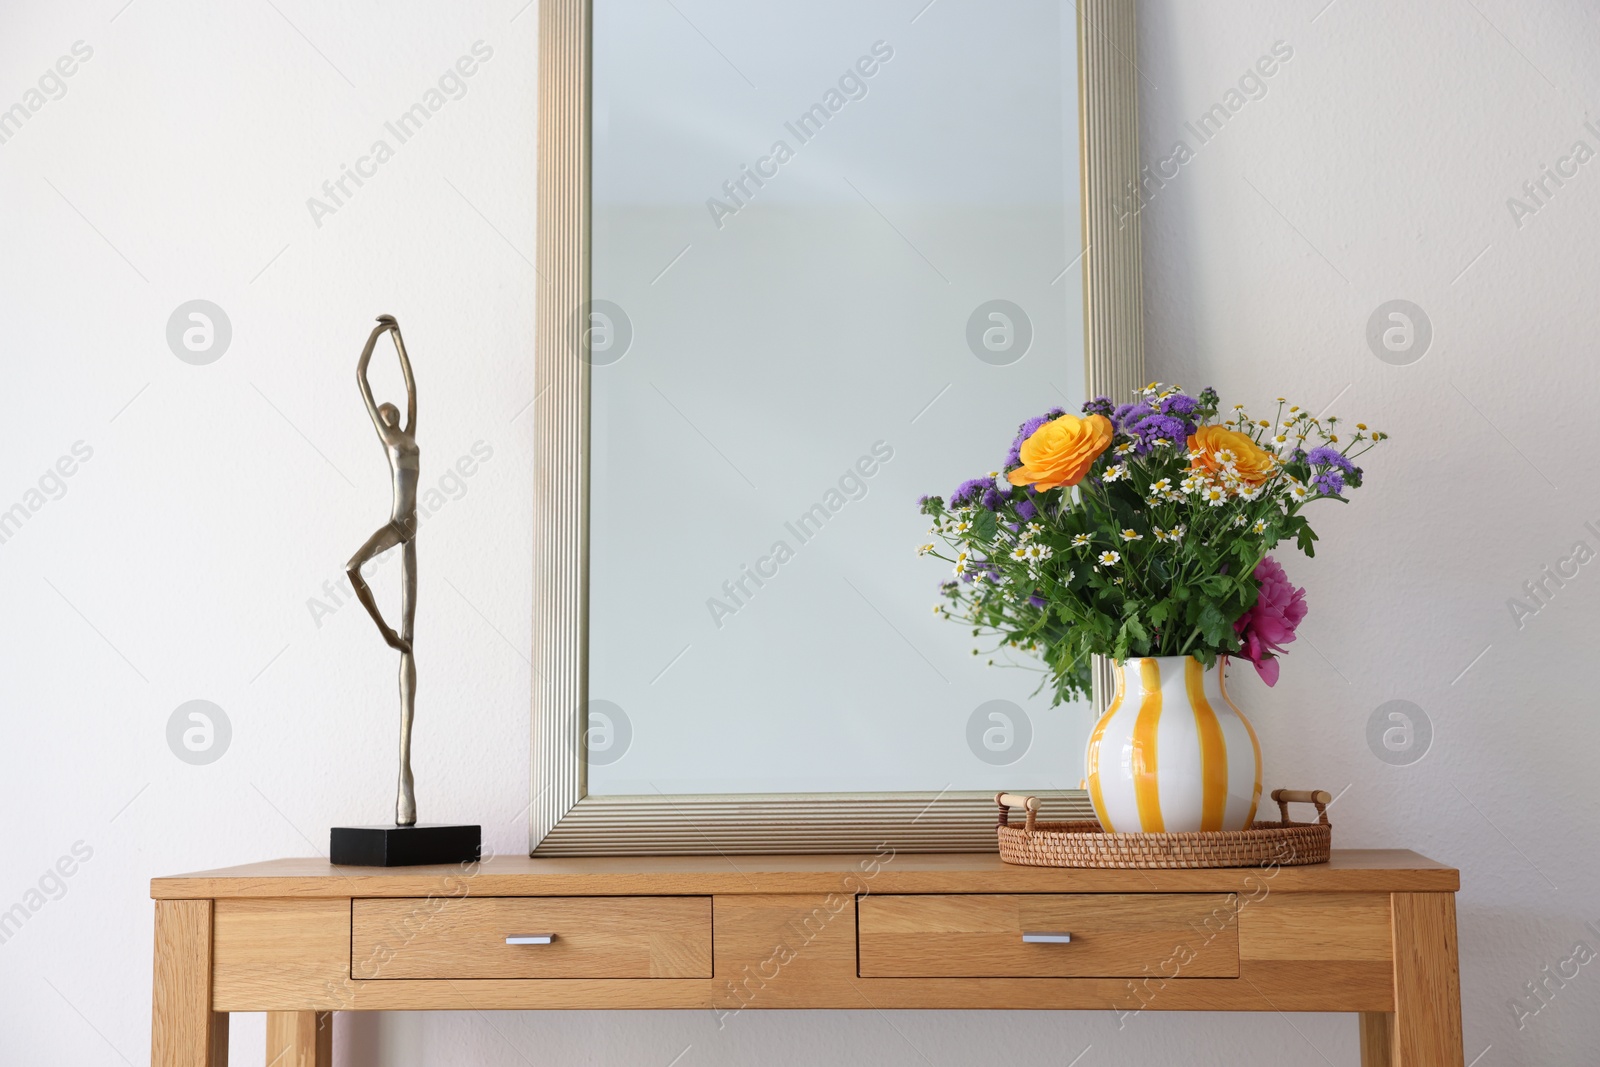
{"points": [[179, 561]]}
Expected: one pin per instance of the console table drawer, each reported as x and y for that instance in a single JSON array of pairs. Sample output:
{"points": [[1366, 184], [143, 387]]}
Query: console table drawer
{"points": [[587, 937], [1079, 935]]}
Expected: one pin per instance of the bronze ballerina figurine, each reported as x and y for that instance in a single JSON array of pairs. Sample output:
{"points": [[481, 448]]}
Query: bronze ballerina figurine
{"points": [[400, 445]]}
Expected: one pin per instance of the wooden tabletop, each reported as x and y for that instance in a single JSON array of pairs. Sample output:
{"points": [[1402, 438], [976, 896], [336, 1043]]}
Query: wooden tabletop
{"points": [[1349, 870]]}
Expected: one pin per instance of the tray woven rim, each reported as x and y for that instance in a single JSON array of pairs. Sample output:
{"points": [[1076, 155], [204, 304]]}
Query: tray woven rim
{"points": [[1085, 844]]}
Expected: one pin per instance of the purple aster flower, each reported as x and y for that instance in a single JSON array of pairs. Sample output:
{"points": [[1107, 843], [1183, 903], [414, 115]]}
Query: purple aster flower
{"points": [[1330, 457], [1026, 510], [1328, 483], [1125, 412], [1037, 601], [969, 491], [1100, 405], [993, 498], [1180, 405], [1154, 425]]}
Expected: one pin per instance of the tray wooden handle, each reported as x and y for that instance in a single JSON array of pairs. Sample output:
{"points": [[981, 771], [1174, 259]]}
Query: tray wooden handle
{"points": [[1319, 798], [1007, 801]]}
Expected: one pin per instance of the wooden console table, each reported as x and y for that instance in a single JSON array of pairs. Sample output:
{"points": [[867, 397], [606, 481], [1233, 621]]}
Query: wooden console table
{"points": [[1369, 932]]}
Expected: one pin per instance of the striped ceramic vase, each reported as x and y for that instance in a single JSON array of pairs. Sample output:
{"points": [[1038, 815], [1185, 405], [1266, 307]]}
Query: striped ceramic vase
{"points": [[1172, 754]]}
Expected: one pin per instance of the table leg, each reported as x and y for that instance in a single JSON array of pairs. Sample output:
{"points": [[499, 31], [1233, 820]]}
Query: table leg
{"points": [[299, 1039], [1377, 1039], [1426, 1028], [184, 1031]]}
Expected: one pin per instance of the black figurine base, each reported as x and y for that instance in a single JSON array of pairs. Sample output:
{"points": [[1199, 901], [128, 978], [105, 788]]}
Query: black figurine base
{"points": [[403, 846]]}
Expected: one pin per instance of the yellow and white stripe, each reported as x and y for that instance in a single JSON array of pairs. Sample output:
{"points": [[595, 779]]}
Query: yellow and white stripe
{"points": [[1172, 753]]}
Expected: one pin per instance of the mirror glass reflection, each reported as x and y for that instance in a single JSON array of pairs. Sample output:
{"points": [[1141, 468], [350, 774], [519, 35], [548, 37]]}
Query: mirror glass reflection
{"points": [[836, 262]]}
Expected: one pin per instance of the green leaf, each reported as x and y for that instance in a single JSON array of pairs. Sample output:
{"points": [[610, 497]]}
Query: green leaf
{"points": [[1306, 538], [984, 525], [1215, 626]]}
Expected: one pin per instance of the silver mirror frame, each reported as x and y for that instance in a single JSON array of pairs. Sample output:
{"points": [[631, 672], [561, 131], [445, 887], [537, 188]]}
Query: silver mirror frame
{"points": [[565, 820]]}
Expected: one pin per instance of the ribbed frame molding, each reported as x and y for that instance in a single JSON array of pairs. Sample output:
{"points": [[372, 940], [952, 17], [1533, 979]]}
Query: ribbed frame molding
{"points": [[566, 822], [1113, 281], [797, 824], [561, 417]]}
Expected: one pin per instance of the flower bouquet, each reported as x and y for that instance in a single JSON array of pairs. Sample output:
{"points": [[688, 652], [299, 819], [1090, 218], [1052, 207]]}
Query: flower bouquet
{"points": [[1141, 532]]}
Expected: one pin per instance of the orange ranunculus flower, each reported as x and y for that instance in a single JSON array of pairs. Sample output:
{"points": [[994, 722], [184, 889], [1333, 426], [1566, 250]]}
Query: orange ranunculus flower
{"points": [[1061, 451], [1213, 447]]}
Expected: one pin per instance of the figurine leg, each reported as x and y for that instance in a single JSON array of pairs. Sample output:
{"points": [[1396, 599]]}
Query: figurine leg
{"points": [[381, 541], [405, 813]]}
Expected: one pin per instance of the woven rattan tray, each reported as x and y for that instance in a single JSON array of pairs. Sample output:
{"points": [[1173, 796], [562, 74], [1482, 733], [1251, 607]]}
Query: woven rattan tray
{"points": [[1085, 844]]}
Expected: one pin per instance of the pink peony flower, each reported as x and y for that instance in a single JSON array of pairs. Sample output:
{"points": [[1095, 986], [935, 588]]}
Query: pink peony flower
{"points": [[1267, 627]]}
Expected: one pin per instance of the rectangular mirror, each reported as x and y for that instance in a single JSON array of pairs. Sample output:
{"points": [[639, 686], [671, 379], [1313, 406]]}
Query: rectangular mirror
{"points": [[802, 264]]}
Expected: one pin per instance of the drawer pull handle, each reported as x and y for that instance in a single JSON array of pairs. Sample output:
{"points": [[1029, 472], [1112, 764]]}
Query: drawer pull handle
{"points": [[531, 939], [1046, 939]]}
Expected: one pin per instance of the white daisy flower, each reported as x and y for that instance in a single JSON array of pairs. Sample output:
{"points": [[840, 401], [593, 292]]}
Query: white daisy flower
{"points": [[1080, 540], [1019, 553], [1260, 526], [1109, 558], [1161, 535], [1299, 492], [1215, 495], [1132, 535], [1227, 457], [923, 550], [1037, 553], [963, 527], [1116, 472], [1177, 532], [1124, 448], [1159, 488]]}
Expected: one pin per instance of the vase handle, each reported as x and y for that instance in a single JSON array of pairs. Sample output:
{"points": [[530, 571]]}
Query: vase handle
{"points": [[1007, 801], [1321, 798]]}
